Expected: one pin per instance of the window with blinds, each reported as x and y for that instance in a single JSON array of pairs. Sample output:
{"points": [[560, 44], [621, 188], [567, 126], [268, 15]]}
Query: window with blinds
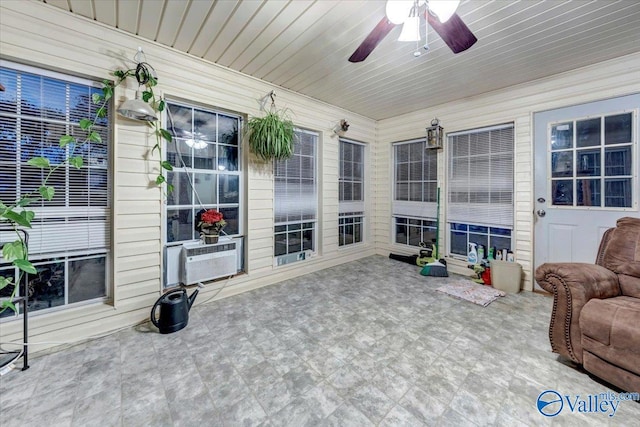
{"points": [[351, 192], [70, 234], [480, 188], [206, 159], [415, 192], [296, 197]]}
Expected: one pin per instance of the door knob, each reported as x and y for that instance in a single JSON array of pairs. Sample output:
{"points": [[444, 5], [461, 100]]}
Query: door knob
{"points": [[541, 212]]}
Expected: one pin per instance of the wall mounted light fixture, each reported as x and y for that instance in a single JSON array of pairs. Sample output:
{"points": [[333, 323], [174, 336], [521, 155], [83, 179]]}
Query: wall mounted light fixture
{"points": [[137, 109], [435, 134], [341, 127]]}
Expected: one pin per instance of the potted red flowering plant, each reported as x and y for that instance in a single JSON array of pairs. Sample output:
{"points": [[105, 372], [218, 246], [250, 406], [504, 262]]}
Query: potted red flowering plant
{"points": [[209, 224]]}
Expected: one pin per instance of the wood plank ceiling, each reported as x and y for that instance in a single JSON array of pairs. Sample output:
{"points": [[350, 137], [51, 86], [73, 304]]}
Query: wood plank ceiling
{"points": [[303, 45]]}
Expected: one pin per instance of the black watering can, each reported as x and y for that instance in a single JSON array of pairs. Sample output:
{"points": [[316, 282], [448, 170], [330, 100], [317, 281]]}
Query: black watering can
{"points": [[174, 310]]}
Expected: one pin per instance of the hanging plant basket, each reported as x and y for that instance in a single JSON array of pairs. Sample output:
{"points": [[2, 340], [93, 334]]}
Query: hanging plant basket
{"points": [[270, 137]]}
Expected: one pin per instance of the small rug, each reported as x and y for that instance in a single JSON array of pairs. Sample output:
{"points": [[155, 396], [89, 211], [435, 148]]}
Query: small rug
{"points": [[470, 291]]}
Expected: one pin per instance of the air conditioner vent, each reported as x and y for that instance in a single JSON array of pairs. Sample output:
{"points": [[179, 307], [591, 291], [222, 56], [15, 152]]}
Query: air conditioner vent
{"points": [[210, 249], [207, 262]]}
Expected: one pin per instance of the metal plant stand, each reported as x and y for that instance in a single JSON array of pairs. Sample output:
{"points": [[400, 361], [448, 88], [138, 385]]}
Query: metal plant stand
{"points": [[8, 357]]}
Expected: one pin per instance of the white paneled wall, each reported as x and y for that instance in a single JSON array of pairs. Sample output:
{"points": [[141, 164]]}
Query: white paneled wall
{"points": [[50, 38], [517, 105]]}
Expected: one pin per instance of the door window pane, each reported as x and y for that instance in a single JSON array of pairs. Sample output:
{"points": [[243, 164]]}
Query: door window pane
{"points": [[562, 136], [588, 162], [617, 129], [617, 193], [562, 192], [562, 164], [617, 160], [588, 192], [588, 132]]}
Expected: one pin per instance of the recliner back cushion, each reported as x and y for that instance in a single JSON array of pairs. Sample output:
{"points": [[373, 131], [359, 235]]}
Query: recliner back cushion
{"points": [[622, 255], [629, 285]]}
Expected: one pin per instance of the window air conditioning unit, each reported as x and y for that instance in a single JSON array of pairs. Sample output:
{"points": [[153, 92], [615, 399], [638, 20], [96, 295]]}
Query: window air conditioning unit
{"points": [[200, 263]]}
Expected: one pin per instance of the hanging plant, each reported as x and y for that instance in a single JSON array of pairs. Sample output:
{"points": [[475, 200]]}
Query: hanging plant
{"points": [[271, 137]]}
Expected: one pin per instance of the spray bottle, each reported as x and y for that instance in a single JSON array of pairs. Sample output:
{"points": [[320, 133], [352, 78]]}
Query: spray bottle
{"points": [[472, 256]]}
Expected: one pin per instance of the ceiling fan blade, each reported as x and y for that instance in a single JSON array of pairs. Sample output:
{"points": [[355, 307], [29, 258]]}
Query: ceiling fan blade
{"points": [[372, 40], [454, 32]]}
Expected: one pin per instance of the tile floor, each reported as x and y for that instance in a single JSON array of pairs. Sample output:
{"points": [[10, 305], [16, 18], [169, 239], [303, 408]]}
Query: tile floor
{"points": [[366, 343]]}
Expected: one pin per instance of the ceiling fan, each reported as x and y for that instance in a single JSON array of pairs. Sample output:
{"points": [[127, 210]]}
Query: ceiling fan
{"points": [[440, 14]]}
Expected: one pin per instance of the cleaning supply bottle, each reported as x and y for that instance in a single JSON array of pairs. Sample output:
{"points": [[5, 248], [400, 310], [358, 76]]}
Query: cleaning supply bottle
{"points": [[472, 256], [492, 252], [481, 253]]}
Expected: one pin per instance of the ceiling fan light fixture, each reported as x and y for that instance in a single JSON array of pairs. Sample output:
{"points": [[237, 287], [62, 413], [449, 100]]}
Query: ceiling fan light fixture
{"points": [[398, 10], [443, 9], [410, 30]]}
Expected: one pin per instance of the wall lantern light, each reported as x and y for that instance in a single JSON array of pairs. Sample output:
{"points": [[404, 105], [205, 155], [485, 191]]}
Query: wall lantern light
{"points": [[435, 134]]}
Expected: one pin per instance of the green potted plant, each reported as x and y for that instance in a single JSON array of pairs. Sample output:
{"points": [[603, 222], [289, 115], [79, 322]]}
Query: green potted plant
{"points": [[270, 137]]}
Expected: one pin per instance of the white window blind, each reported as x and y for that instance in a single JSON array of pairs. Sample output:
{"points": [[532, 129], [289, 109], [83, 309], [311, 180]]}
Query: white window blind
{"points": [[415, 179], [351, 177], [480, 184], [296, 197], [36, 109], [296, 189]]}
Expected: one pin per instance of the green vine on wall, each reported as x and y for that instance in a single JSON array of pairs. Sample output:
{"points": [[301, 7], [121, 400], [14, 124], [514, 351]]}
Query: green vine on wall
{"points": [[16, 213]]}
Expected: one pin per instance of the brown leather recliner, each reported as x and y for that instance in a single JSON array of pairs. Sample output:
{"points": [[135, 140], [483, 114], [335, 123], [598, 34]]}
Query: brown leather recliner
{"points": [[596, 307]]}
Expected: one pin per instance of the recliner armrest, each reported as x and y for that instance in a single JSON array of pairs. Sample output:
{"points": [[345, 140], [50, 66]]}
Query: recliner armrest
{"points": [[573, 285]]}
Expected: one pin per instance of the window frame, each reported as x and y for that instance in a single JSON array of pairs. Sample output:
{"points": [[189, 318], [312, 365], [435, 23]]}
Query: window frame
{"points": [[469, 220], [192, 172], [289, 225], [413, 210], [352, 213], [69, 211]]}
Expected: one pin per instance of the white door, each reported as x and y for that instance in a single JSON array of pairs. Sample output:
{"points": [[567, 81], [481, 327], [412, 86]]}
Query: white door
{"points": [[586, 176]]}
